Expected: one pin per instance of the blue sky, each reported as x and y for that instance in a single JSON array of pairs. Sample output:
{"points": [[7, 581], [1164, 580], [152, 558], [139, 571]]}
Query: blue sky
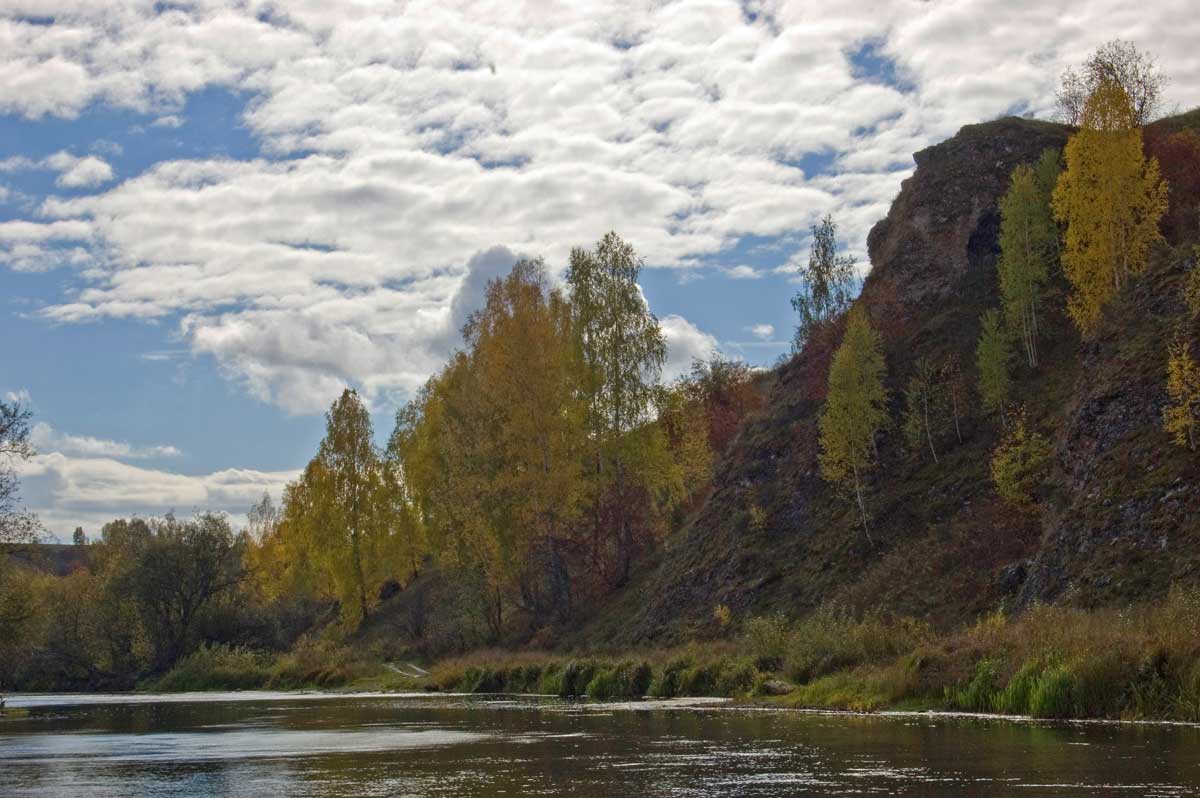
{"points": [[212, 217]]}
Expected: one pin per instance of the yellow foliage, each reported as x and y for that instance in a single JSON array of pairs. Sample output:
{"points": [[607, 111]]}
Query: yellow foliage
{"points": [[1111, 199], [1183, 388], [1020, 462]]}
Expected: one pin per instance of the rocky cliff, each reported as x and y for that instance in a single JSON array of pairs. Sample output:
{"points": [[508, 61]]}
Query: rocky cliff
{"points": [[1120, 514]]}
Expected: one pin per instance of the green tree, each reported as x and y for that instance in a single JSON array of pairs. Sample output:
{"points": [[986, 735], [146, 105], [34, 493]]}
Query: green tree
{"points": [[854, 411], [827, 283], [1111, 200], [621, 350], [993, 355], [16, 525], [1028, 244], [173, 573], [923, 405]]}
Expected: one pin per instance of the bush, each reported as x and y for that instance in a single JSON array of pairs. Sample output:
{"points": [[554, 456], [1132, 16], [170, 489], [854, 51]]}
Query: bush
{"points": [[216, 667], [767, 639], [737, 678], [627, 680], [1020, 463], [980, 694], [831, 639], [1051, 693], [576, 678], [666, 683]]}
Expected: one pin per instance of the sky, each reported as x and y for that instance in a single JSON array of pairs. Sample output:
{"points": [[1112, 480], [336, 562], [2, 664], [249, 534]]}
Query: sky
{"points": [[215, 216]]}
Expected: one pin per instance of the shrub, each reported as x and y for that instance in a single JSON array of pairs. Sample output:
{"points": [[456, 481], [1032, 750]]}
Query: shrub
{"points": [[767, 639], [737, 678], [575, 679], [1051, 695], [980, 694], [627, 680], [216, 667], [1020, 463], [666, 683]]}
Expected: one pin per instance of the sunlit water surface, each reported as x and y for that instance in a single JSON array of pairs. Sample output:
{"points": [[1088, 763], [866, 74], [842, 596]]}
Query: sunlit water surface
{"points": [[278, 744]]}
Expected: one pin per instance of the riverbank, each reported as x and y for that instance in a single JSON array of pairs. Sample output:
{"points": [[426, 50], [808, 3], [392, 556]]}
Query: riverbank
{"points": [[1048, 662]]}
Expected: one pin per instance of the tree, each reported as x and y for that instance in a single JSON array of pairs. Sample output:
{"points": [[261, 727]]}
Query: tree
{"points": [[16, 525], [79, 538], [993, 354], [1183, 390], [854, 411], [173, 573], [725, 390], [336, 526], [1111, 200], [1119, 62], [1028, 243], [621, 350], [956, 389], [827, 283], [922, 405], [1020, 462]]}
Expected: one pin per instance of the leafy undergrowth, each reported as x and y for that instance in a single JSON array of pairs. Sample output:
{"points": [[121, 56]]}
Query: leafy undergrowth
{"points": [[1049, 662]]}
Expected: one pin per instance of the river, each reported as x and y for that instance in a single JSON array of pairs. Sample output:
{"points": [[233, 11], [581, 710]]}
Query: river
{"points": [[364, 745]]}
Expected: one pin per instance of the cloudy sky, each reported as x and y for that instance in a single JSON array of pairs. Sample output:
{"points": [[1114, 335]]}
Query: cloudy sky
{"points": [[213, 216]]}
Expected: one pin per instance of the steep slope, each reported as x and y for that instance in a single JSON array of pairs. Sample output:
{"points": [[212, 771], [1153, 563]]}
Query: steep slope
{"points": [[1119, 517]]}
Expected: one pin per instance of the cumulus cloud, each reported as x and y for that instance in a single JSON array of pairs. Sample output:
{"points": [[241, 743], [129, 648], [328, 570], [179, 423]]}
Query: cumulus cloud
{"points": [[69, 491], [685, 342], [76, 172], [47, 439], [398, 140], [762, 332], [742, 272]]}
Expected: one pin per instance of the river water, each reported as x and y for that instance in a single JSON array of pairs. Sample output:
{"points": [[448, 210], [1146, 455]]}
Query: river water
{"points": [[359, 746]]}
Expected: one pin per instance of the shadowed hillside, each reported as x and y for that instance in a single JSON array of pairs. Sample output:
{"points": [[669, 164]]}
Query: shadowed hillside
{"points": [[1120, 517]]}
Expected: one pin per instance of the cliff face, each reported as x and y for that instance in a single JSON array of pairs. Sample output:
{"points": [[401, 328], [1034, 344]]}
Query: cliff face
{"points": [[1119, 519]]}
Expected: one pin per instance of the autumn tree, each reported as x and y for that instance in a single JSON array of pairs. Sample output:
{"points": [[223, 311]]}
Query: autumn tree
{"points": [[923, 400], [1020, 462], [854, 411], [993, 355], [621, 351], [1182, 412], [1110, 198], [1118, 62], [827, 283], [1028, 245], [725, 390], [339, 534]]}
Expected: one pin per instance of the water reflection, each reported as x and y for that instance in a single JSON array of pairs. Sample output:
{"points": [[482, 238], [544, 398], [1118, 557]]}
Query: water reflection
{"points": [[363, 745]]}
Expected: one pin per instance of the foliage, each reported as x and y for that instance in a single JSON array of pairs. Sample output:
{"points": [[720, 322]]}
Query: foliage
{"points": [[725, 390], [341, 527], [1182, 412], [1121, 63], [1111, 199], [1028, 244], [854, 411], [993, 354], [1020, 462], [924, 406], [828, 283], [16, 525], [1178, 156]]}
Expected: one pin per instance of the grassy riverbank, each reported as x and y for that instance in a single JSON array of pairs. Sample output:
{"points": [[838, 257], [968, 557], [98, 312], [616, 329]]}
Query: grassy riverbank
{"points": [[1050, 662]]}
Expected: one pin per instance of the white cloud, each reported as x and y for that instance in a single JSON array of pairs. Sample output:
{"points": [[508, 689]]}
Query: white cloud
{"points": [[685, 342], [20, 396], [401, 139], [69, 491], [170, 120], [47, 439], [742, 272], [762, 332], [75, 172]]}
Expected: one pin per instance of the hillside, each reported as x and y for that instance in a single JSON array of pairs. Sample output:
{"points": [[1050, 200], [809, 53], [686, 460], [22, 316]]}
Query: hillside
{"points": [[1120, 514]]}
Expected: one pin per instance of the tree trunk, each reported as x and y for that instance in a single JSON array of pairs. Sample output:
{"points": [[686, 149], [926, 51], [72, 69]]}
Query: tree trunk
{"points": [[862, 507]]}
